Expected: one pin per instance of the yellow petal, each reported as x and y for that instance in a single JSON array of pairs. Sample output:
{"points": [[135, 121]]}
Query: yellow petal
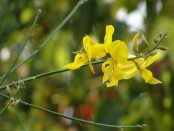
{"points": [[93, 49], [118, 74], [112, 73], [151, 59], [98, 51], [113, 83], [129, 68], [88, 43], [148, 76], [108, 34], [119, 51], [154, 81], [140, 61], [107, 68], [105, 64], [79, 60]]}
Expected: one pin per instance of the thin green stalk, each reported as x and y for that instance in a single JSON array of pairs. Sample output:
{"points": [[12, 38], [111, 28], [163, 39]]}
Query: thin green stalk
{"points": [[73, 118], [158, 41], [51, 35], [46, 74], [5, 108], [24, 44]]}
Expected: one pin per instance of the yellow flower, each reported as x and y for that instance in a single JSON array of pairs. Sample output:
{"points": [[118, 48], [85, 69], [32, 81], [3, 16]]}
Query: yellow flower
{"points": [[114, 71], [147, 74], [118, 67], [92, 49]]}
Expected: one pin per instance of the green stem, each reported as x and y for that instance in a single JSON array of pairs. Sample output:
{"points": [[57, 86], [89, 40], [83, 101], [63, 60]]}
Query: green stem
{"points": [[51, 35], [73, 118], [46, 74], [24, 44], [5, 108], [154, 48], [158, 42]]}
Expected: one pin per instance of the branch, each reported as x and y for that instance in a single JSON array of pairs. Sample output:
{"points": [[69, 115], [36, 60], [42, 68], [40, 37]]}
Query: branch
{"points": [[73, 118]]}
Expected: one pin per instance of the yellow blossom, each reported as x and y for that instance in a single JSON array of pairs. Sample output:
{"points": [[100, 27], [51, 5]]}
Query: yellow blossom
{"points": [[92, 49], [114, 71], [118, 67], [147, 74]]}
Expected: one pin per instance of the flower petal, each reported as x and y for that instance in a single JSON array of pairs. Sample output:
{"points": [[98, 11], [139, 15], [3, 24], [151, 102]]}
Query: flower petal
{"points": [[107, 68], [108, 35], [115, 77], [113, 83], [106, 63], [148, 76], [88, 43], [129, 68], [98, 51], [93, 49], [79, 60], [118, 74], [151, 59], [119, 51]]}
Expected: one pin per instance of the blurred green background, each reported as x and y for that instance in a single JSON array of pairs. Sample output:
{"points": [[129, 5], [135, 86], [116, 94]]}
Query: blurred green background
{"points": [[79, 93]]}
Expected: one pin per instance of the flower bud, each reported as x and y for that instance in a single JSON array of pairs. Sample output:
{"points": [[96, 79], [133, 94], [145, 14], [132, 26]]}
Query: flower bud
{"points": [[135, 43], [163, 48], [15, 102], [145, 42], [20, 82], [8, 91], [12, 99], [15, 85]]}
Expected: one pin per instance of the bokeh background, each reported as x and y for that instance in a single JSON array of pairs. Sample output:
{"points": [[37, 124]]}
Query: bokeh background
{"points": [[80, 93]]}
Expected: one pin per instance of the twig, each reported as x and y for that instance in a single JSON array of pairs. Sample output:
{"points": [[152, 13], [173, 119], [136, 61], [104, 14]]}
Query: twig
{"points": [[73, 118], [6, 107]]}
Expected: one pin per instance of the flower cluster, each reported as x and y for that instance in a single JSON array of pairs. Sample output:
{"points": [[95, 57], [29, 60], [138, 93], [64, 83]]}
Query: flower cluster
{"points": [[118, 66]]}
